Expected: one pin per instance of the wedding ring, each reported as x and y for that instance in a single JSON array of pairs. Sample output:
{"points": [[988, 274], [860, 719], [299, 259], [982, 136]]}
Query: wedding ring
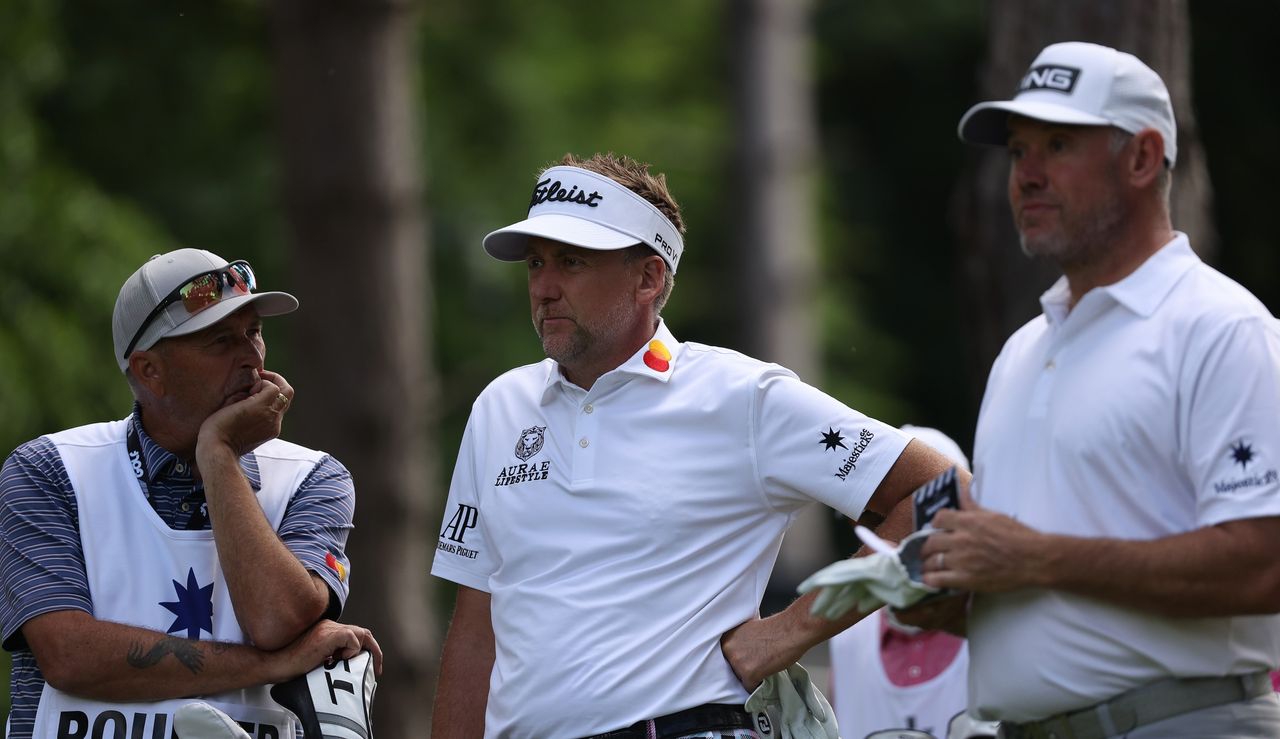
{"points": [[941, 560], [282, 401]]}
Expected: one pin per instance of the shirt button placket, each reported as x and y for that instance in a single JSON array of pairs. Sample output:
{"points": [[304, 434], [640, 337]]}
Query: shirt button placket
{"points": [[584, 458]]}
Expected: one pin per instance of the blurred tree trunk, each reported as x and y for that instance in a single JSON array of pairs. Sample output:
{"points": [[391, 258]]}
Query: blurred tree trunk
{"points": [[775, 253], [1003, 286], [353, 194]]}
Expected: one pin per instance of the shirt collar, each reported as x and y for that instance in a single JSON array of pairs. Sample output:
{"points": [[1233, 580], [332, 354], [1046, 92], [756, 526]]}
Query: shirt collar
{"points": [[1141, 291], [162, 464], [657, 360], [1146, 288]]}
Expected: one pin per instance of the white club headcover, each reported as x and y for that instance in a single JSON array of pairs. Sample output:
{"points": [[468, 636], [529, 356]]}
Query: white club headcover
{"points": [[199, 720], [332, 702], [866, 583], [964, 726], [789, 706]]}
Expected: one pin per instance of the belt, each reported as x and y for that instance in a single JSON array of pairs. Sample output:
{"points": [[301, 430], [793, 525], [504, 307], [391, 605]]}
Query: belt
{"points": [[706, 717], [1141, 706]]}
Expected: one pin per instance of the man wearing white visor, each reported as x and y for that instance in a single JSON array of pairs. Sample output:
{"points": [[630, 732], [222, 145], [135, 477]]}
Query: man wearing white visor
{"points": [[617, 508], [1124, 546]]}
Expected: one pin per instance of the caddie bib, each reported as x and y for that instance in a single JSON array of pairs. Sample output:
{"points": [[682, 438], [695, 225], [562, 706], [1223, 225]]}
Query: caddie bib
{"points": [[145, 574]]}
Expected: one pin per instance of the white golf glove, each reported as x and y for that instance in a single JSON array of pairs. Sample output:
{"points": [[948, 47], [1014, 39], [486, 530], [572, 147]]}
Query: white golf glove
{"points": [[867, 583], [789, 703], [332, 702], [199, 720]]}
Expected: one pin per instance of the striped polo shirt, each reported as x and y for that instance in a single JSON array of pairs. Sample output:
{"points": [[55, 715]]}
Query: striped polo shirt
{"points": [[42, 565]]}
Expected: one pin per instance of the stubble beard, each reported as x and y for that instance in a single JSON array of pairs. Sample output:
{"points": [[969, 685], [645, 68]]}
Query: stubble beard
{"points": [[1079, 237], [588, 335]]}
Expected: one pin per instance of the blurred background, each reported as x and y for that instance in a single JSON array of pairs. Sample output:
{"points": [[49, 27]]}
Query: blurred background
{"points": [[356, 151]]}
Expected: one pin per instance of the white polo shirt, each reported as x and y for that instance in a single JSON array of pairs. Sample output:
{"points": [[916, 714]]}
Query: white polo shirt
{"points": [[622, 531], [1148, 410]]}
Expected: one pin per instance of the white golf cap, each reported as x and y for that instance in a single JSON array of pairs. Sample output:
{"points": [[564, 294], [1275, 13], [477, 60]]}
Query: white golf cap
{"points": [[582, 208], [1081, 84]]}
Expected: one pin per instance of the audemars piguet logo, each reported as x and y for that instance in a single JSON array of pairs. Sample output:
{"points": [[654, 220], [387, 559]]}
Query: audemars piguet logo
{"points": [[454, 536], [530, 442]]}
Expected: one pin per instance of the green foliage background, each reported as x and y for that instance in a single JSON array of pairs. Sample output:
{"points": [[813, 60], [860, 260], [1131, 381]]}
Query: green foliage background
{"points": [[128, 128]]}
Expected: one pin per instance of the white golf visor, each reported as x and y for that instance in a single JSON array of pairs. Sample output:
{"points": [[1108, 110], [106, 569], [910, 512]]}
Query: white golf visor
{"points": [[582, 208]]}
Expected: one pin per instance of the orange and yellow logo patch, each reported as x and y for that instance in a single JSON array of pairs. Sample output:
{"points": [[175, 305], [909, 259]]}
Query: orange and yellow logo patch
{"points": [[658, 358], [336, 566]]}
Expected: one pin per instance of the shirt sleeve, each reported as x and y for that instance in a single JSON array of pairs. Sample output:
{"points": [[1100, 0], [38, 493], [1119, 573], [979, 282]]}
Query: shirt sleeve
{"points": [[316, 525], [810, 446], [41, 560], [1231, 439], [463, 554]]}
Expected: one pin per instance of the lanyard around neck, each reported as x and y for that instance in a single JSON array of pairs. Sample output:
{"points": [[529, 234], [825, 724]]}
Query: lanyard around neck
{"points": [[138, 462]]}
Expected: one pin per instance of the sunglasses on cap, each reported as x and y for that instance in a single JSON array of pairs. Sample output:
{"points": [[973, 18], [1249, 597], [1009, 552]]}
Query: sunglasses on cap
{"points": [[200, 292]]}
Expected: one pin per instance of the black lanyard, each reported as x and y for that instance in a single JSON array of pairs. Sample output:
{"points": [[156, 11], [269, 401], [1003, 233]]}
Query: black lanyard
{"points": [[138, 461]]}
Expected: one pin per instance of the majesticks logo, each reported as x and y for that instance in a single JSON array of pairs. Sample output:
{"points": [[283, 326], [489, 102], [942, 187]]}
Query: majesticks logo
{"points": [[851, 462], [547, 191], [1050, 77], [1244, 454]]}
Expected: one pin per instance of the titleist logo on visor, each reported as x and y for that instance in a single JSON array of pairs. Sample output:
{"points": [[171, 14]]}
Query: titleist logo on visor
{"points": [[554, 192]]}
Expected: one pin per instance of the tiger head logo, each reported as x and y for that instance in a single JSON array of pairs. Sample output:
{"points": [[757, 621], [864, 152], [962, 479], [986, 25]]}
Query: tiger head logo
{"points": [[530, 442]]}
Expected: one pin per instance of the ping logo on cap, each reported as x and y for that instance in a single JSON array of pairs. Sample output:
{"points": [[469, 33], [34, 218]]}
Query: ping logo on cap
{"points": [[1050, 77], [548, 191]]}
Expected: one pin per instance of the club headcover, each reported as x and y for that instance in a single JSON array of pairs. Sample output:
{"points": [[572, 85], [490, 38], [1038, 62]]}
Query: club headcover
{"points": [[332, 702]]}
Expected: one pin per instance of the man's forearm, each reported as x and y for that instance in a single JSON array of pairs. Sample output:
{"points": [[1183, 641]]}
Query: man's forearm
{"points": [[108, 661], [462, 692], [274, 596], [1224, 570], [1232, 568]]}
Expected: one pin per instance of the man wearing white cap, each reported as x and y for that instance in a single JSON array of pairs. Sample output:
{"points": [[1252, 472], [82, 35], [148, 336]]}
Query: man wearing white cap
{"points": [[616, 509], [1124, 546], [184, 550]]}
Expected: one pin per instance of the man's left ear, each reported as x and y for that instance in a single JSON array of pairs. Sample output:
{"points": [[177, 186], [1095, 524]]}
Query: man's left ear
{"points": [[652, 272], [1148, 157]]}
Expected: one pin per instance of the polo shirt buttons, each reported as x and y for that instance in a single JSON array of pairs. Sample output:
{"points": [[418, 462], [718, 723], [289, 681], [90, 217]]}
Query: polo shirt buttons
{"points": [[583, 442], [588, 408], [1049, 365], [186, 507]]}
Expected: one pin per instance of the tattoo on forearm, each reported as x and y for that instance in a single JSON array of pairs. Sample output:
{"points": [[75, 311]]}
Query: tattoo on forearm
{"points": [[186, 652]]}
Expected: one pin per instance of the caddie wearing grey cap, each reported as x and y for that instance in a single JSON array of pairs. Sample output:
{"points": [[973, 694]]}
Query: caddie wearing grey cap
{"points": [[1122, 546], [184, 550]]}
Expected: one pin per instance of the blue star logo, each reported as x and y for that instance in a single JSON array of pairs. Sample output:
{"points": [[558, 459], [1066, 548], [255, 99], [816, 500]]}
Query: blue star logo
{"points": [[193, 608], [832, 439], [1242, 453]]}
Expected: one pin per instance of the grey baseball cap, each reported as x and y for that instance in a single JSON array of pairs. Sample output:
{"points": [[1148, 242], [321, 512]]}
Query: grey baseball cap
{"points": [[1085, 85], [147, 287]]}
